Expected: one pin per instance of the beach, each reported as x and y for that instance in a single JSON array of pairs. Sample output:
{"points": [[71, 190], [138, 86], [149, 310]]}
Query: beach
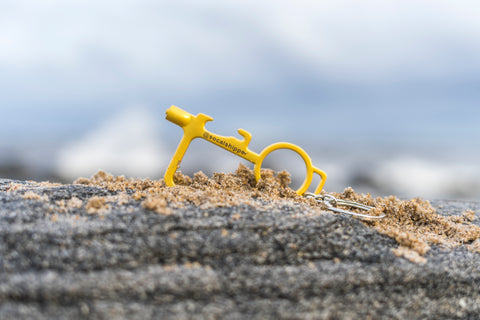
{"points": [[100, 249]]}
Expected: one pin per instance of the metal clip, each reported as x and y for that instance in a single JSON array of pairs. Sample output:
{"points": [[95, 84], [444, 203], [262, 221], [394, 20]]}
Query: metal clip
{"points": [[332, 204]]}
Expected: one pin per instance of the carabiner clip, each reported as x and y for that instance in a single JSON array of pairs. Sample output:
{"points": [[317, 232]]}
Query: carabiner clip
{"points": [[332, 204]]}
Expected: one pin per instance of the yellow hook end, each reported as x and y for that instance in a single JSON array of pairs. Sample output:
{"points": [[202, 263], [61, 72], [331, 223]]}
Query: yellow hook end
{"points": [[178, 116]]}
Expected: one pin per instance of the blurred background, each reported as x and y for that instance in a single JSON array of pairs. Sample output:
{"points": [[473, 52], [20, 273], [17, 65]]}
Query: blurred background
{"points": [[383, 95]]}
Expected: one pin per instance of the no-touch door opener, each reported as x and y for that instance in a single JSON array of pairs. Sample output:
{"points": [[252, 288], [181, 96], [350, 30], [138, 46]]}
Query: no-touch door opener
{"points": [[194, 127]]}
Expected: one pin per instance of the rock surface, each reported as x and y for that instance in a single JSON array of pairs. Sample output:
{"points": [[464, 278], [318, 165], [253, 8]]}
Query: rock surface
{"points": [[236, 262]]}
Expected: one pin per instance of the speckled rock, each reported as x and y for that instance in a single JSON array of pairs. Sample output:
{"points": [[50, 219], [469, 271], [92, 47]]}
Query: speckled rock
{"points": [[235, 262]]}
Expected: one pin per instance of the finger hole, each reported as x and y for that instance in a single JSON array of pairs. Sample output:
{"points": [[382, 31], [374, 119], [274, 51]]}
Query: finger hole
{"points": [[290, 161]]}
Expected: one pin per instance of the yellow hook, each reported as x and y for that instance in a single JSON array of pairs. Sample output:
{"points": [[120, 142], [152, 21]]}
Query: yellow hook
{"points": [[194, 127]]}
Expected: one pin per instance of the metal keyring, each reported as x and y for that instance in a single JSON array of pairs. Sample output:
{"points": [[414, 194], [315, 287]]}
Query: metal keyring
{"points": [[331, 203]]}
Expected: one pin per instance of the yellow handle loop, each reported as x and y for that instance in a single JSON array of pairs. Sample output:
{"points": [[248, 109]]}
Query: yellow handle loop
{"points": [[308, 163], [194, 127]]}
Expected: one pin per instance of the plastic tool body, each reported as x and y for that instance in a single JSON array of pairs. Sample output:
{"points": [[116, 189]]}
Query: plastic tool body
{"points": [[194, 127]]}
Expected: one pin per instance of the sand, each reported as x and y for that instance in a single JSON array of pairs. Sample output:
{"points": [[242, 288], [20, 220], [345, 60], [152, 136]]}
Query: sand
{"points": [[226, 247], [414, 223]]}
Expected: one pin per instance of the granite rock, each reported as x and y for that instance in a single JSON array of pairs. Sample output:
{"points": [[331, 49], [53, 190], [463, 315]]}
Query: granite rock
{"points": [[232, 263]]}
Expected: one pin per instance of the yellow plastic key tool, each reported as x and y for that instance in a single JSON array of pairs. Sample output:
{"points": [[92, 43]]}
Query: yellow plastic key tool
{"points": [[194, 127]]}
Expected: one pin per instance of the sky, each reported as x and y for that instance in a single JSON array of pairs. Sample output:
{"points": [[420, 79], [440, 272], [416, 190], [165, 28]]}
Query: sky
{"points": [[327, 72]]}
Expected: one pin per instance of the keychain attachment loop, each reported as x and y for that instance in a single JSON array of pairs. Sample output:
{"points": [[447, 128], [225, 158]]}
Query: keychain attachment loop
{"points": [[332, 204]]}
